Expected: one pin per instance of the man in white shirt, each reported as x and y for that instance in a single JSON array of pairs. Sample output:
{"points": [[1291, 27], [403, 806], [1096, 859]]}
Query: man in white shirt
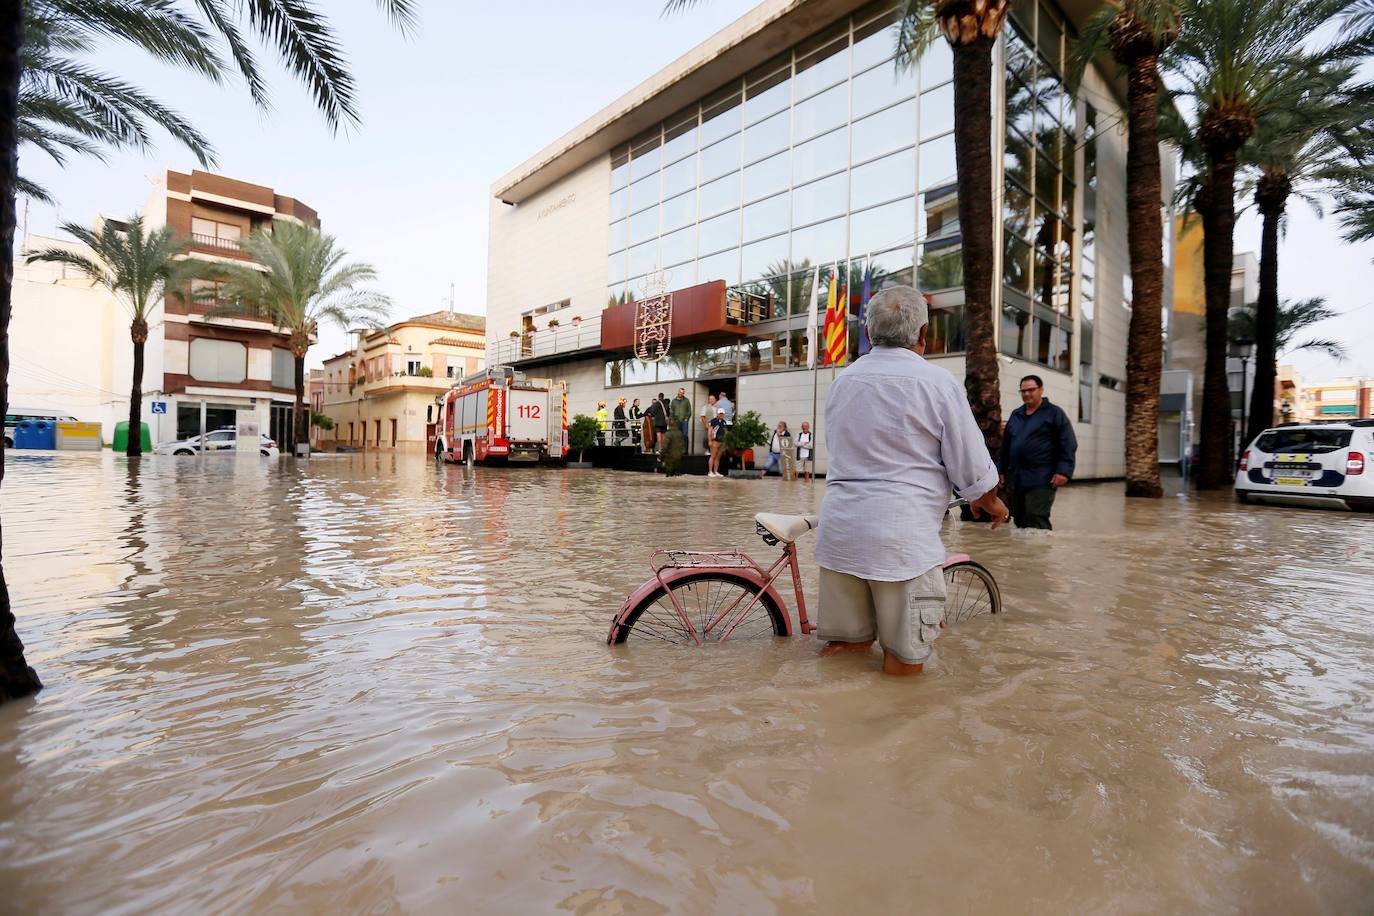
{"points": [[900, 436]]}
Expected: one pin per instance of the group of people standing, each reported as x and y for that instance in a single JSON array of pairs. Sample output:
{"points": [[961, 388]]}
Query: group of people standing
{"points": [[645, 427]]}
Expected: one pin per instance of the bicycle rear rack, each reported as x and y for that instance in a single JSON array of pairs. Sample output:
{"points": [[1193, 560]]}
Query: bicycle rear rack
{"points": [[696, 559]]}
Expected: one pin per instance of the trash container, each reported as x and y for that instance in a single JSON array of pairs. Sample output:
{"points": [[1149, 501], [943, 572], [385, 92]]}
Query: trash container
{"points": [[35, 434], [121, 438], [75, 436]]}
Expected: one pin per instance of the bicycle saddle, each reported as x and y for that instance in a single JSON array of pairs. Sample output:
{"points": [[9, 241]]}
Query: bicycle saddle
{"points": [[784, 528]]}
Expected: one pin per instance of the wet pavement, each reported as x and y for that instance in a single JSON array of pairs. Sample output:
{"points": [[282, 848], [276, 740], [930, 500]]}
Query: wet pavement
{"points": [[371, 684]]}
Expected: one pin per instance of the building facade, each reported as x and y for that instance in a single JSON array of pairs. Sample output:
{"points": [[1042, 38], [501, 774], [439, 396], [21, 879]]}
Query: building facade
{"points": [[1350, 398], [790, 141], [380, 393], [86, 371], [232, 369]]}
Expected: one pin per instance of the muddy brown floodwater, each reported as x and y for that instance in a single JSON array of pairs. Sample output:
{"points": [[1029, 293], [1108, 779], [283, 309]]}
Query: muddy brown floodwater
{"points": [[371, 684]]}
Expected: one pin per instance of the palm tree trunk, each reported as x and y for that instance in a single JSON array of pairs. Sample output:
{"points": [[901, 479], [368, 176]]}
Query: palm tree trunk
{"points": [[973, 152], [1145, 241], [1219, 227], [139, 332], [17, 679], [1270, 197], [301, 416]]}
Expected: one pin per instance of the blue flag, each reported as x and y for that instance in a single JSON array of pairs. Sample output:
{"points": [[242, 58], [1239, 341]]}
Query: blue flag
{"points": [[864, 345]]}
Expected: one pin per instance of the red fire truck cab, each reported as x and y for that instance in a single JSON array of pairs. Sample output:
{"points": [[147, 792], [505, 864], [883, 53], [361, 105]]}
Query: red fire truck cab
{"points": [[500, 415]]}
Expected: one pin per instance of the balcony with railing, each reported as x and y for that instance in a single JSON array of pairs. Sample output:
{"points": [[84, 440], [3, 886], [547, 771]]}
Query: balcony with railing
{"points": [[547, 344], [211, 310], [217, 245]]}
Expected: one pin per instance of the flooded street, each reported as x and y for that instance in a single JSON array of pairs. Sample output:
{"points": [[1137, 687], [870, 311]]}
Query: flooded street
{"points": [[371, 684]]}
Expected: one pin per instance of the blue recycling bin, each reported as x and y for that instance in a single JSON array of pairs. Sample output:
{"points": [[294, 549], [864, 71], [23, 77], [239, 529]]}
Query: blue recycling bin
{"points": [[35, 434]]}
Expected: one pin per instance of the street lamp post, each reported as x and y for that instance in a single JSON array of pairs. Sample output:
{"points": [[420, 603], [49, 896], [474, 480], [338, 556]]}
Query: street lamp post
{"points": [[1243, 347]]}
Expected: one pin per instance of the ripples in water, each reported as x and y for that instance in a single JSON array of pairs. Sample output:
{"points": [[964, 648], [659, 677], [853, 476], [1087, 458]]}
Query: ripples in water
{"points": [[371, 684]]}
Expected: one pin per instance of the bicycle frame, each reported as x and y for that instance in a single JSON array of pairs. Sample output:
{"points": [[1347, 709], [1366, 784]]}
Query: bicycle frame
{"points": [[681, 563]]}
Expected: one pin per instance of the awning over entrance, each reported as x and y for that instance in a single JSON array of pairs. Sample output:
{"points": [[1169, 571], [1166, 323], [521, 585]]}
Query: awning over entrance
{"points": [[698, 313]]}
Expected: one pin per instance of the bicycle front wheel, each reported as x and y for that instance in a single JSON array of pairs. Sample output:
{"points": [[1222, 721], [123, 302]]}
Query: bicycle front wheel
{"points": [[704, 597], [970, 591]]}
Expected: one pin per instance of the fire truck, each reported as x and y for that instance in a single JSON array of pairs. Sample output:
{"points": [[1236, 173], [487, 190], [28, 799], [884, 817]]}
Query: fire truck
{"points": [[501, 415]]}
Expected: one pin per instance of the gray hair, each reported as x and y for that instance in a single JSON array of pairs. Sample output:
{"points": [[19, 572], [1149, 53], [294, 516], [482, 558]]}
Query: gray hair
{"points": [[896, 316]]}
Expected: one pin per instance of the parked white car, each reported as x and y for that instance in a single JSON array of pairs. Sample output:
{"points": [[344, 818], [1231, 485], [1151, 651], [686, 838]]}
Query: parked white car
{"points": [[1311, 464], [220, 440]]}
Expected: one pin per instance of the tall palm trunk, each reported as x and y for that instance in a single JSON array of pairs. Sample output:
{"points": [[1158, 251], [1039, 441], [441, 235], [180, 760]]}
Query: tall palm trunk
{"points": [[1145, 242], [138, 331], [300, 417], [973, 153], [1271, 196], [1218, 226], [17, 679]]}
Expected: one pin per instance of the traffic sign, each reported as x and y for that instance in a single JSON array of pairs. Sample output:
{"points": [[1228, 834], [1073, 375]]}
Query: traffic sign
{"points": [[159, 407]]}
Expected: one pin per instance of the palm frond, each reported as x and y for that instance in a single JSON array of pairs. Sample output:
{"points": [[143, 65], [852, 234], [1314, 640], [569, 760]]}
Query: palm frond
{"points": [[158, 27], [917, 30], [32, 190], [308, 48]]}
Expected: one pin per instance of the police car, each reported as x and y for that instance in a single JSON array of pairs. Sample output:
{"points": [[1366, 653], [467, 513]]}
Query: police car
{"points": [[1316, 464]]}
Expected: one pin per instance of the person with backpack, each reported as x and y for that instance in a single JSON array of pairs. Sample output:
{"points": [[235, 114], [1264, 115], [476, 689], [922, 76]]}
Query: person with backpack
{"points": [[656, 419]]}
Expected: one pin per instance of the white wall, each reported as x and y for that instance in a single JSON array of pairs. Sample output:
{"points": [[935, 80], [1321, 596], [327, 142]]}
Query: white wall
{"points": [[549, 248]]}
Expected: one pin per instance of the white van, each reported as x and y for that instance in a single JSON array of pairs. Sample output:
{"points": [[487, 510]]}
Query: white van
{"points": [[31, 413]]}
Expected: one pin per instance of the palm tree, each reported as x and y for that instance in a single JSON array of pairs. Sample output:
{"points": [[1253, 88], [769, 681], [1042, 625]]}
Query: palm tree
{"points": [[1234, 62], [65, 106], [971, 27], [1321, 146], [139, 267], [303, 281], [1291, 319], [1137, 32], [307, 47]]}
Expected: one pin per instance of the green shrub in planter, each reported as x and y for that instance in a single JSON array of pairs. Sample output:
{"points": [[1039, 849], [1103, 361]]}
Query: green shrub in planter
{"points": [[582, 433], [749, 430]]}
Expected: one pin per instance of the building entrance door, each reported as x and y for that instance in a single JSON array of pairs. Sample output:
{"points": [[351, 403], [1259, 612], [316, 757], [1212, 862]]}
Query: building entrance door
{"points": [[281, 430]]}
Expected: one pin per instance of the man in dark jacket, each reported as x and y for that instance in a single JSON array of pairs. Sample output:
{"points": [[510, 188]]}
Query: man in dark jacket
{"points": [[1037, 455]]}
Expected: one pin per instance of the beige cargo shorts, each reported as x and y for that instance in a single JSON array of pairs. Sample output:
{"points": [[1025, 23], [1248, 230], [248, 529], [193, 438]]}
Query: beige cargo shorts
{"points": [[903, 616]]}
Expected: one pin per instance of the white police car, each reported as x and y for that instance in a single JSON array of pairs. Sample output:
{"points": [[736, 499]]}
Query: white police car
{"points": [[1311, 464]]}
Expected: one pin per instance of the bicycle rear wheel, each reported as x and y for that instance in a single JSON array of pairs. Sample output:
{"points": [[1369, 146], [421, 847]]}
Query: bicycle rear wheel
{"points": [[970, 591], [704, 597]]}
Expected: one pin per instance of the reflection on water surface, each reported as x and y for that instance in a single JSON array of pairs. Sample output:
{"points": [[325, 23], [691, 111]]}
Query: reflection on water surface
{"points": [[373, 684]]}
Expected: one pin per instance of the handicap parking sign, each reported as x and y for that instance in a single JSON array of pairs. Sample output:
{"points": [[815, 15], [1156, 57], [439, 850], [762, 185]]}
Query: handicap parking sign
{"points": [[159, 407]]}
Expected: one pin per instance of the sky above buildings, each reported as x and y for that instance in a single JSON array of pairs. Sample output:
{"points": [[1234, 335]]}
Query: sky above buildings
{"points": [[474, 92]]}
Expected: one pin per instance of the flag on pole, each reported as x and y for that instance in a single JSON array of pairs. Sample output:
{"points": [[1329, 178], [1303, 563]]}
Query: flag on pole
{"points": [[864, 345], [812, 319], [836, 327]]}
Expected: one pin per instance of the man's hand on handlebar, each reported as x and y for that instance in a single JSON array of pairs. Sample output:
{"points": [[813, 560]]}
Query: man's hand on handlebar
{"points": [[988, 504]]}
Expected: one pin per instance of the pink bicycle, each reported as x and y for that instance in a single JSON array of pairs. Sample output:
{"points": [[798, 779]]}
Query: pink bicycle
{"points": [[711, 596]]}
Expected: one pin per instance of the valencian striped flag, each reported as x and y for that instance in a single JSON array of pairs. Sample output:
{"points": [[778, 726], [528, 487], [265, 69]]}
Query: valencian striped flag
{"points": [[836, 336]]}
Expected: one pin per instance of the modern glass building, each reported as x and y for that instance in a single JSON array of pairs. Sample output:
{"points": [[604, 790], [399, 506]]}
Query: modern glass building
{"points": [[749, 167]]}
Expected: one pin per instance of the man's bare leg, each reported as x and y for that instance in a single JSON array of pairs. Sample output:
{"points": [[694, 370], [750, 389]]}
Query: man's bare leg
{"points": [[894, 665], [840, 648]]}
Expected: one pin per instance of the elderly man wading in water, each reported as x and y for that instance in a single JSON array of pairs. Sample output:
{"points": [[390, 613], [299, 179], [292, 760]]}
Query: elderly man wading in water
{"points": [[900, 436]]}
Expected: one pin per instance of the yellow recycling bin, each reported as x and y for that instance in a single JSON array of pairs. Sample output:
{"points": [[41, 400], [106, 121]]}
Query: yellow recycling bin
{"points": [[79, 437]]}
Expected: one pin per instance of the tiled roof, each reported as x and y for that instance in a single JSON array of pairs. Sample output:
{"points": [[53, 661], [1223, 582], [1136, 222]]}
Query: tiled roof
{"points": [[449, 319]]}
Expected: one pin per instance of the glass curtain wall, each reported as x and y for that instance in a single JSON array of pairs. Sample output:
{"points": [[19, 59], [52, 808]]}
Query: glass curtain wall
{"points": [[829, 156], [1087, 268], [1039, 188]]}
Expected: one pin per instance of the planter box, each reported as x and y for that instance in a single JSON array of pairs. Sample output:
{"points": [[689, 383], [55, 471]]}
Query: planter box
{"points": [[746, 475], [580, 465]]}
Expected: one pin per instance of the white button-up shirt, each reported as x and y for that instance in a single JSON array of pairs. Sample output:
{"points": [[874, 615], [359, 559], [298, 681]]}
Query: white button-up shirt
{"points": [[900, 436]]}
